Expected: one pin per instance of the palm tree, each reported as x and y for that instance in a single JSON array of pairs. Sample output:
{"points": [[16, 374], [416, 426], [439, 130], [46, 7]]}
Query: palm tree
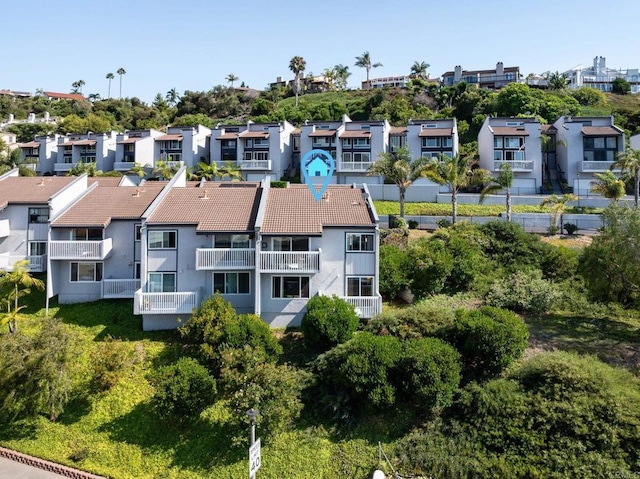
{"points": [[364, 61], [608, 185], [455, 172], [19, 281], [629, 162], [121, 71], [557, 81], [504, 181], [419, 70], [137, 169], [399, 168], [93, 97], [172, 97], [297, 65], [340, 75], [212, 171], [557, 204], [109, 77], [231, 78], [164, 170]]}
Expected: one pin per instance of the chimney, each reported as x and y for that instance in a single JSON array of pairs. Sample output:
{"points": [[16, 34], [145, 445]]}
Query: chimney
{"points": [[499, 69]]}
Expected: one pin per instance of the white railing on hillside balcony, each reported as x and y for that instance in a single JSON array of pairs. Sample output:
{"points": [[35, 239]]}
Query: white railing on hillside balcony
{"points": [[254, 165], [354, 165], [366, 306], [80, 249], [165, 303], [120, 288], [225, 258], [123, 165], [62, 167], [300, 261], [519, 165], [595, 165], [37, 263]]}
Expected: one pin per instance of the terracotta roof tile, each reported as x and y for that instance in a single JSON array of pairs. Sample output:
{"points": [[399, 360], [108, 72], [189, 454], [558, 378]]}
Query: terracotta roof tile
{"points": [[548, 129], [85, 143], [101, 205], [104, 180], [218, 206], [356, 134], [600, 131], [294, 210], [129, 140], [509, 131], [29, 144], [255, 134], [31, 189], [169, 138], [66, 96], [431, 132], [322, 133], [398, 130], [228, 136]]}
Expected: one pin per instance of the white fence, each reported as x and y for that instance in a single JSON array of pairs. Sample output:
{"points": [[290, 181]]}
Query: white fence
{"points": [[366, 306], [165, 303], [274, 261], [120, 288], [83, 250], [225, 258]]}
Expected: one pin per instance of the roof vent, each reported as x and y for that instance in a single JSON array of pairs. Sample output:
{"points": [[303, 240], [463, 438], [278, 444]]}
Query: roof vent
{"points": [[41, 182], [205, 196], [137, 193], [325, 196]]}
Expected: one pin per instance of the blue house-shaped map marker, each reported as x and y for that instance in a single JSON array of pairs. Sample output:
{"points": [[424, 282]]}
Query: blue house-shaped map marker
{"points": [[317, 164]]}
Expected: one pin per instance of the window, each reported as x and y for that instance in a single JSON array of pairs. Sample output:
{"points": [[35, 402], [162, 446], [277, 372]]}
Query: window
{"points": [[136, 270], [396, 142], [513, 142], [86, 234], [232, 241], [228, 144], [162, 283], [231, 283], [361, 143], [290, 287], [360, 286], [137, 232], [356, 157], [86, 272], [600, 148], [38, 215], [37, 248], [431, 142], [291, 244], [359, 242], [162, 239]]}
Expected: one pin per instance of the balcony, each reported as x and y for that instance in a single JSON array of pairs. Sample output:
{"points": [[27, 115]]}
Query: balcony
{"points": [[30, 166], [366, 306], [595, 166], [63, 167], [354, 165], [120, 288], [255, 165], [81, 250], [165, 303], [37, 263], [225, 258], [123, 165], [174, 164], [297, 261], [5, 229], [516, 166]]}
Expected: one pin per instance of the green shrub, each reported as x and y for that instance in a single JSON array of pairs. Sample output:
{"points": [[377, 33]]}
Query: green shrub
{"points": [[523, 292], [489, 339], [444, 223], [183, 389], [428, 373], [394, 270], [413, 224], [431, 266], [509, 245], [570, 228], [328, 322], [278, 184], [112, 359], [557, 262]]}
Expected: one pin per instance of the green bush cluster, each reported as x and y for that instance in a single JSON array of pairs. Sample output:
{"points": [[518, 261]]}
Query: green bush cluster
{"points": [[328, 322], [524, 292], [112, 360]]}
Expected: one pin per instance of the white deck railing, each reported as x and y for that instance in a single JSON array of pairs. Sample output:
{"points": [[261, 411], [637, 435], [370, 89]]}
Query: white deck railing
{"points": [[354, 165], [225, 258], [37, 263], [120, 288], [366, 306], [123, 165], [165, 303], [85, 250], [61, 167], [300, 261], [254, 164], [596, 165], [515, 165]]}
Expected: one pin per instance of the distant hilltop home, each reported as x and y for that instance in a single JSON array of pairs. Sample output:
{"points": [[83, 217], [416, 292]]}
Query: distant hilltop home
{"points": [[311, 84], [52, 95], [600, 77], [497, 78], [18, 94]]}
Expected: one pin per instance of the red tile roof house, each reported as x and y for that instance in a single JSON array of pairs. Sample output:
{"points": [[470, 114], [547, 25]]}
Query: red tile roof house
{"points": [[266, 250]]}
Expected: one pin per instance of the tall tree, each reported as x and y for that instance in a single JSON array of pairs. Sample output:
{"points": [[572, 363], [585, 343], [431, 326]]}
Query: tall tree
{"points": [[557, 81], [364, 61], [455, 173], [419, 70], [341, 74], [629, 162], [172, 97], [504, 181], [297, 65], [18, 283], [109, 77], [608, 185], [231, 78], [398, 167], [121, 71], [558, 205]]}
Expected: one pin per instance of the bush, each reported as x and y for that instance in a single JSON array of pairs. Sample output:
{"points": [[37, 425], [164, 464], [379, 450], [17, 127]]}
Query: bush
{"points": [[394, 270], [570, 228], [328, 322], [523, 292], [444, 223], [489, 339], [413, 224], [431, 266], [112, 359], [183, 389], [216, 326], [428, 372]]}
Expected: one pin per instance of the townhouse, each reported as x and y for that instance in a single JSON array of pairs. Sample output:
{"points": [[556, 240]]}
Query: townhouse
{"points": [[135, 147], [600, 77], [98, 149], [183, 146], [428, 138], [492, 78], [26, 204], [41, 154], [634, 141]]}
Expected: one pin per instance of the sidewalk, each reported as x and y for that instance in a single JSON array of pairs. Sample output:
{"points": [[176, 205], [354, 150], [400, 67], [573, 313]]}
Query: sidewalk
{"points": [[15, 465]]}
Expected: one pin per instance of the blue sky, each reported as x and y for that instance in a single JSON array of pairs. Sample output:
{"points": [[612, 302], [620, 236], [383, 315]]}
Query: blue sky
{"points": [[195, 44]]}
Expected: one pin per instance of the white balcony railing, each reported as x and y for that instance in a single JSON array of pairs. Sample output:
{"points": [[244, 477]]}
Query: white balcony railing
{"points": [[5, 229], [30, 166], [366, 306], [255, 165], [225, 258], [37, 263], [123, 165], [84, 250], [519, 165], [174, 164], [354, 165], [595, 165], [165, 303], [120, 288], [300, 261], [63, 167]]}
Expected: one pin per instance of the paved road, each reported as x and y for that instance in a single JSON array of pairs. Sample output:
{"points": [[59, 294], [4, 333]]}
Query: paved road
{"points": [[14, 470]]}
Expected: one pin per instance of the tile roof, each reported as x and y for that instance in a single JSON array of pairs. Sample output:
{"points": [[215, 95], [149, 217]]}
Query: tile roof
{"points": [[169, 138], [600, 131], [130, 140], [84, 143], [548, 129], [430, 132], [29, 144], [509, 131], [31, 189], [218, 206], [294, 210], [255, 134], [356, 134], [66, 96], [228, 136], [398, 130], [104, 180], [101, 205], [322, 133]]}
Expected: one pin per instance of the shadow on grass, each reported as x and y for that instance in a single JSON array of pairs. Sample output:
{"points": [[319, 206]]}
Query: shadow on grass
{"points": [[17, 430], [75, 410], [199, 445]]}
